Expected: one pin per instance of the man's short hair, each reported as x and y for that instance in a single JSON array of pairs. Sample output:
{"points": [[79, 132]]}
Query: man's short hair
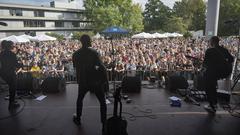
{"points": [[215, 40], [85, 40], [6, 45]]}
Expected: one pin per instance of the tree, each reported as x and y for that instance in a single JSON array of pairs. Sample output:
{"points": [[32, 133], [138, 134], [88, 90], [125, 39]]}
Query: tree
{"points": [[175, 24], [229, 17], [198, 21], [106, 13], [155, 15], [136, 19], [193, 13]]}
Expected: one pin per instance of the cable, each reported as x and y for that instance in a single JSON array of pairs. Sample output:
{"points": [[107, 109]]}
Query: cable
{"points": [[133, 117], [147, 113], [16, 113], [232, 110]]}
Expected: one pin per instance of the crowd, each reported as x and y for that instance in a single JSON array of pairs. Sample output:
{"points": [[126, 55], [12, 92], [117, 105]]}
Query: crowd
{"points": [[148, 55]]}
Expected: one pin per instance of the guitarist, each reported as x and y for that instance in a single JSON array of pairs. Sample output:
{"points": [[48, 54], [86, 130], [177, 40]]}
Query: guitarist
{"points": [[8, 66], [91, 76], [213, 61]]}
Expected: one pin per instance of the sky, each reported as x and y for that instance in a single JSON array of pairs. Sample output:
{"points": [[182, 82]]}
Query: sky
{"points": [[169, 3]]}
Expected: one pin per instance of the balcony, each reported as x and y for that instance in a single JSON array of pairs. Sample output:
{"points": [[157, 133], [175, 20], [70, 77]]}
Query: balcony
{"points": [[12, 29], [20, 18]]}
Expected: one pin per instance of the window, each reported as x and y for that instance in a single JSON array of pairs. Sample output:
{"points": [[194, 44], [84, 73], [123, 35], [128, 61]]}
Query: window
{"points": [[30, 23], [75, 24], [15, 12], [59, 24], [38, 13]]}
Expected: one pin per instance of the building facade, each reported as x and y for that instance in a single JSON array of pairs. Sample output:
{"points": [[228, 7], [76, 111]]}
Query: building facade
{"points": [[35, 20]]}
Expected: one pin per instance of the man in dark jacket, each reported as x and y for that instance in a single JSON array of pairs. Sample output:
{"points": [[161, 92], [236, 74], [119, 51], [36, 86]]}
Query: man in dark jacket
{"points": [[8, 66], [91, 76], [214, 57]]}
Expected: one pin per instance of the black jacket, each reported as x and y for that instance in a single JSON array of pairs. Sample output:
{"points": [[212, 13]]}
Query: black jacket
{"points": [[89, 68], [8, 64], [214, 58]]}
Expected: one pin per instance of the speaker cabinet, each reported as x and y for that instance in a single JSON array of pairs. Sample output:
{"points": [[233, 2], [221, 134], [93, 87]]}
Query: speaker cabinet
{"points": [[131, 84], [53, 85], [25, 84], [175, 82]]}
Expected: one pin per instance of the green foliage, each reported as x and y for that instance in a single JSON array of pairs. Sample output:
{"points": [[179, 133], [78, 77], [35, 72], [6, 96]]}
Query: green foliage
{"points": [[106, 13], [56, 35], [229, 11], [175, 24], [77, 35], [193, 13], [187, 34], [155, 15]]}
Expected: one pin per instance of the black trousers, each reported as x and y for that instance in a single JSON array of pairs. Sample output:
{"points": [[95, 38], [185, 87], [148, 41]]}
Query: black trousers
{"points": [[211, 89], [100, 96], [11, 81]]}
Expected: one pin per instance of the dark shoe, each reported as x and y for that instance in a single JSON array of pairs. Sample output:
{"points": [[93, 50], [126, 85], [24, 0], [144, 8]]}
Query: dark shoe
{"points": [[13, 105], [76, 120], [210, 108]]}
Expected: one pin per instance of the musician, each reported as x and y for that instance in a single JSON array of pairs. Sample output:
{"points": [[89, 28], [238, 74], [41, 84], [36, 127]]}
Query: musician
{"points": [[212, 61], [8, 66], [91, 75]]}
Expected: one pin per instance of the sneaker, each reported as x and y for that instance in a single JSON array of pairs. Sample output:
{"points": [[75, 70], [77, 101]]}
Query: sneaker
{"points": [[76, 120], [13, 105], [211, 109]]}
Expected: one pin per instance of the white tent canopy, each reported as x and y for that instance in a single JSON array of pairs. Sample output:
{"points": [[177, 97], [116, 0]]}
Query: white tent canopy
{"points": [[97, 36], [156, 35], [26, 36], [69, 36], [16, 39], [142, 35], [43, 38]]}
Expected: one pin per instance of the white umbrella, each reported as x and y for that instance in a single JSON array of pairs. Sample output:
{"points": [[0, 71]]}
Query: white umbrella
{"points": [[43, 38], [16, 39]]}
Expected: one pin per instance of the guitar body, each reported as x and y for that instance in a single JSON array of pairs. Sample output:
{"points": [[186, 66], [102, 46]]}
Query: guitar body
{"points": [[116, 126]]}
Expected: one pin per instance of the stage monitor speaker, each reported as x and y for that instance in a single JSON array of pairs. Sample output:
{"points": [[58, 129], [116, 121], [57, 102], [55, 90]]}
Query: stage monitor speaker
{"points": [[27, 84], [53, 85], [131, 84], [198, 83], [175, 82], [223, 96]]}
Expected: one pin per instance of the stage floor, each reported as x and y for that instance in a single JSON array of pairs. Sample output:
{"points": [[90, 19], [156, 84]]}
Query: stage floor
{"points": [[149, 114]]}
